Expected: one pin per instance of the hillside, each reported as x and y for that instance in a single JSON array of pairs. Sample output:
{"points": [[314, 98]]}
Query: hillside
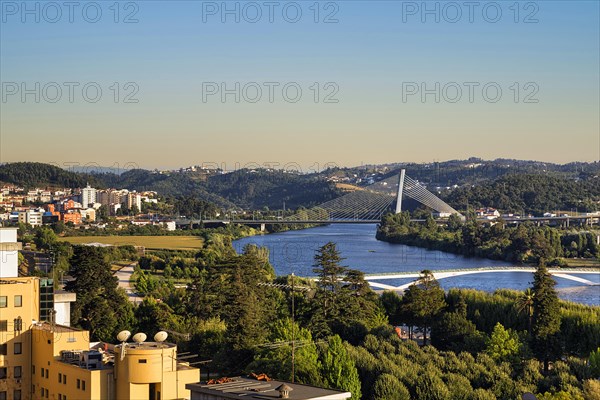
{"points": [[33, 174], [534, 193], [509, 185]]}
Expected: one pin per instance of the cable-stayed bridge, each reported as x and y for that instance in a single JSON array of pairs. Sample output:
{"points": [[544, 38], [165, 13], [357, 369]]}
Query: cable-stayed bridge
{"points": [[366, 204]]}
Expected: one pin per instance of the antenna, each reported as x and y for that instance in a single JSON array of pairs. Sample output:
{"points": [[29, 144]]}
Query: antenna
{"points": [[139, 338], [161, 336], [122, 337]]}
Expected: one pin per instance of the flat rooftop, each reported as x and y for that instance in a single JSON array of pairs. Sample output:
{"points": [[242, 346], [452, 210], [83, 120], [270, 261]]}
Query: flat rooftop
{"points": [[46, 326], [253, 389]]}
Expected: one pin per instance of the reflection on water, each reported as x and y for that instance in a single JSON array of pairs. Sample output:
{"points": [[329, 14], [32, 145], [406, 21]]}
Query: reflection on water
{"points": [[294, 251]]}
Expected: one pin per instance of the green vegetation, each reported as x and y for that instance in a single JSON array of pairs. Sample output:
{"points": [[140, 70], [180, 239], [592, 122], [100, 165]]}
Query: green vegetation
{"points": [[101, 307], [523, 243], [226, 307], [32, 174], [529, 193]]}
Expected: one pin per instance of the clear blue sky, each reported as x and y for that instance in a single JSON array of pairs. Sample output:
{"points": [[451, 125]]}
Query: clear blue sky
{"points": [[373, 51]]}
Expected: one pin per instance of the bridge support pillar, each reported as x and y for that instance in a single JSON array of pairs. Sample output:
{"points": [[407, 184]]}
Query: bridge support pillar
{"points": [[262, 227], [400, 189]]}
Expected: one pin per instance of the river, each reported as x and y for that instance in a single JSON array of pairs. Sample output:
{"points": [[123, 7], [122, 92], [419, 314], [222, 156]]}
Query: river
{"points": [[293, 251]]}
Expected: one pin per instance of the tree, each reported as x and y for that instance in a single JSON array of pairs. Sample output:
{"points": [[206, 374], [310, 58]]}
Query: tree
{"points": [[503, 345], [327, 267], [591, 389], [594, 362], [546, 317], [431, 387], [276, 359], [388, 387], [44, 238], [391, 303], [524, 304], [424, 300], [101, 307], [338, 369]]}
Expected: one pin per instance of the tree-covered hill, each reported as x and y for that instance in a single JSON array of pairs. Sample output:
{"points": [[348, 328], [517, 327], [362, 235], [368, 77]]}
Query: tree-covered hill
{"points": [[535, 193], [32, 174], [260, 188], [243, 188]]}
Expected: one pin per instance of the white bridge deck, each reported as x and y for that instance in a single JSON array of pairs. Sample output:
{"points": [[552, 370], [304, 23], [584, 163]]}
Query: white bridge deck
{"points": [[442, 274]]}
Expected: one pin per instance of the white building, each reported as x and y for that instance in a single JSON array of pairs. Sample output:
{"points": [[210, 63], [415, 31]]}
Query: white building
{"points": [[88, 214], [9, 253], [31, 217], [134, 200], [88, 196]]}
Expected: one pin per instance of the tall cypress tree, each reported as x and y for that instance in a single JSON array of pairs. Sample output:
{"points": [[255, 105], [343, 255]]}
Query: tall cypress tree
{"points": [[546, 317]]}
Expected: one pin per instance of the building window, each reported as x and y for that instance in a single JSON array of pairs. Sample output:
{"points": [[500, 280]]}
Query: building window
{"points": [[3, 325], [3, 349], [83, 385], [33, 370], [17, 394], [71, 339], [3, 301], [42, 373], [18, 372], [2, 395], [59, 378], [142, 361], [64, 379], [78, 383], [3, 373], [18, 347], [18, 300], [18, 323]]}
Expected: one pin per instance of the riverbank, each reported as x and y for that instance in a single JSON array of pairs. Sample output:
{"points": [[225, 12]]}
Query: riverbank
{"points": [[525, 243]]}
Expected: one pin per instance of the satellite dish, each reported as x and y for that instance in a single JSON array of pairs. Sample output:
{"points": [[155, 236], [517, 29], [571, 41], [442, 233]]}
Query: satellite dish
{"points": [[123, 336], [139, 337], [161, 336]]}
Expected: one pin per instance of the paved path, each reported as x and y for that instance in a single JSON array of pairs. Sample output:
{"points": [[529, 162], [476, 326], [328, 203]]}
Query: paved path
{"points": [[124, 277]]}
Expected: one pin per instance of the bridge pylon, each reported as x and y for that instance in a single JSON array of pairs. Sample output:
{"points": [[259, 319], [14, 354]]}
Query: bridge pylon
{"points": [[400, 190]]}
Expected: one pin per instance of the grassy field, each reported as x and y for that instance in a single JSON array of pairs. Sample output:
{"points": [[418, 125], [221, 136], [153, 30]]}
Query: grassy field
{"points": [[581, 262], [149, 242]]}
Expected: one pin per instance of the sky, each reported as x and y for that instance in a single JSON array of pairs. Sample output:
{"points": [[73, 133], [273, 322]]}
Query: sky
{"points": [[158, 84]]}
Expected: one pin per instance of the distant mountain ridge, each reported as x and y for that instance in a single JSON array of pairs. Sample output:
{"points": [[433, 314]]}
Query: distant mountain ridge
{"points": [[481, 183]]}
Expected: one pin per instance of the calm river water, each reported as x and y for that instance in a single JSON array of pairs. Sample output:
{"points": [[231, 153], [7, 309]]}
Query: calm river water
{"points": [[293, 251]]}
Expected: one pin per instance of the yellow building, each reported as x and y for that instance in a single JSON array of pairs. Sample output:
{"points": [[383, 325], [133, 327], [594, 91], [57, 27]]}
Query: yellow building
{"points": [[19, 305], [65, 366], [150, 370], [44, 360]]}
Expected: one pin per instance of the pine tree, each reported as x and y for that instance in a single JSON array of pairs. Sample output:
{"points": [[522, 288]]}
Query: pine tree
{"points": [[338, 369], [101, 306], [423, 301], [546, 317], [327, 267]]}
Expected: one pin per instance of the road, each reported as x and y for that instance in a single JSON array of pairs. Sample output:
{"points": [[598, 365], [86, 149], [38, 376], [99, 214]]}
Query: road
{"points": [[124, 277]]}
